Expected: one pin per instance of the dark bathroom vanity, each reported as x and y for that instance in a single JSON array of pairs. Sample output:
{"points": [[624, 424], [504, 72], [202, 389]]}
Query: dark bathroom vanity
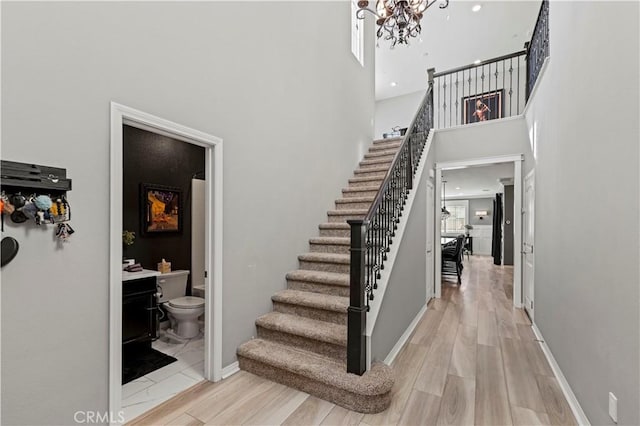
{"points": [[140, 325]]}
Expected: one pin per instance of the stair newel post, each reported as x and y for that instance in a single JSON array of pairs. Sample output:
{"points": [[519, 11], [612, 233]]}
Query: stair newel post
{"points": [[357, 311]]}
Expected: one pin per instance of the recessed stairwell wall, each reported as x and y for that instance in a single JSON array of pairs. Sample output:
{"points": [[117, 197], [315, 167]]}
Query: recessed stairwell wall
{"points": [[405, 293], [292, 104], [583, 123]]}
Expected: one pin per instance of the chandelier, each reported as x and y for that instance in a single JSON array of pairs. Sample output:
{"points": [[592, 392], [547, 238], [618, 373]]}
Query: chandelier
{"points": [[444, 215], [398, 20]]}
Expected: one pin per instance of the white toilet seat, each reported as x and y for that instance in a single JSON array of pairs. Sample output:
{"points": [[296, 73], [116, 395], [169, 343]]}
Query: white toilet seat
{"points": [[186, 302]]}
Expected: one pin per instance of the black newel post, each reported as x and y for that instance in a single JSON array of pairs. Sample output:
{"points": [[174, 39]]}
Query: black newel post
{"points": [[357, 311]]}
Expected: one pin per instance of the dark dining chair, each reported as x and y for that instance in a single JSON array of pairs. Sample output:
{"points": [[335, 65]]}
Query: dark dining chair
{"points": [[452, 257]]}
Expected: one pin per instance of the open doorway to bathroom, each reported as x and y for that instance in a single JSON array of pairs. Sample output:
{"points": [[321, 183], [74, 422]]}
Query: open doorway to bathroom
{"points": [[166, 259], [163, 191]]}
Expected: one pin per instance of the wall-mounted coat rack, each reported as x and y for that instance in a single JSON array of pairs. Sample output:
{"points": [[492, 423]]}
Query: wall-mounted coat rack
{"points": [[33, 178]]}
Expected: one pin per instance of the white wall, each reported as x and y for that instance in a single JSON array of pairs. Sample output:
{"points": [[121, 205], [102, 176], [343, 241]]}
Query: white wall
{"points": [[396, 111], [293, 106], [583, 123]]}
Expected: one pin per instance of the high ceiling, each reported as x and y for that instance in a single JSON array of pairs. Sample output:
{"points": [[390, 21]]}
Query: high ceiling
{"points": [[476, 181], [454, 37]]}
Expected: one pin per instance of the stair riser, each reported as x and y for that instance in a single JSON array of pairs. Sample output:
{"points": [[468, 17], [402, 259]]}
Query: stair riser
{"points": [[370, 173], [313, 313], [375, 163], [381, 146], [376, 182], [390, 153], [353, 206], [344, 217], [335, 233], [353, 194], [348, 400], [325, 267], [322, 348], [329, 248], [333, 290]]}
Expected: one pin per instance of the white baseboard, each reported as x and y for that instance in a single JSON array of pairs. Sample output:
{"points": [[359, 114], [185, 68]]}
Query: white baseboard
{"points": [[230, 370], [564, 385], [405, 336]]}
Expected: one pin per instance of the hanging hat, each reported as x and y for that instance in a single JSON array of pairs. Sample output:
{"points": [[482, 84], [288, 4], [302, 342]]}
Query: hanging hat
{"points": [[18, 217]]}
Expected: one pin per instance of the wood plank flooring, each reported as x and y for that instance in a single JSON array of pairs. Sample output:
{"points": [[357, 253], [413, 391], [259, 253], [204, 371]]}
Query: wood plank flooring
{"points": [[472, 359]]}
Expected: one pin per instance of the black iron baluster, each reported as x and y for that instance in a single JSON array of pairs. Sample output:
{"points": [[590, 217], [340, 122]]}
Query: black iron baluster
{"points": [[510, 87], [489, 89], [518, 89]]}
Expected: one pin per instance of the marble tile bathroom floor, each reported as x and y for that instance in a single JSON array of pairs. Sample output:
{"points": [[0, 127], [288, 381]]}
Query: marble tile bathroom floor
{"points": [[146, 392]]}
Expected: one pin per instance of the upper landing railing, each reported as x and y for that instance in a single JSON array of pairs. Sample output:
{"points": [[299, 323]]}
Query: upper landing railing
{"points": [[494, 88]]}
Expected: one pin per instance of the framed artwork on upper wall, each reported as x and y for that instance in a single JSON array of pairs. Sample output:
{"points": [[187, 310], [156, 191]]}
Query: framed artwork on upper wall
{"points": [[482, 107], [161, 209]]}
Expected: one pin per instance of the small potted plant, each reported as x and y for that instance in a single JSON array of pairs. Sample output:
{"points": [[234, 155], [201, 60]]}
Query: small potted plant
{"points": [[128, 238], [468, 228]]}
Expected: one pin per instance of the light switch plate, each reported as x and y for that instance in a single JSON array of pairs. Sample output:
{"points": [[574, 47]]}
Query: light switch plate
{"points": [[613, 407]]}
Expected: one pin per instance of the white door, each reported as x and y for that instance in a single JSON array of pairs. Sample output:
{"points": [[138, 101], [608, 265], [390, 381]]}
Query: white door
{"points": [[527, 242], [430, 236]]}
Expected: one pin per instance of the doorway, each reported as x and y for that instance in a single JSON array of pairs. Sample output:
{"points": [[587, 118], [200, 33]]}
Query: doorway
{"points": [[122, 116], [516, 161], [527, 243]]}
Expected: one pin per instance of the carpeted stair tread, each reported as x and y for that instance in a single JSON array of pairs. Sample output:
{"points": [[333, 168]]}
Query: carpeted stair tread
{"points": [[377, 381], [365, 179], [355, 200], [344, 259], [379, 169], [358, 189], [346, 212], [341, 241], [330, 278], [381, 153], [312, 300], [384, 140], [334, 225], [376, 161], [321, 331], [394, 145]]}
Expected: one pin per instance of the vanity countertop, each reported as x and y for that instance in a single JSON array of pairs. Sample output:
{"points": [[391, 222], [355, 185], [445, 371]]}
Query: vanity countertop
{"points": [[145, 273]]}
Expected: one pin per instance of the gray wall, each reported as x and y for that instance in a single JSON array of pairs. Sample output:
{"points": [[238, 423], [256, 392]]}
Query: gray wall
{"points": [[406, 291], [295, 110], [586, 273], [396, 111], [481, 204], [489, 139]]}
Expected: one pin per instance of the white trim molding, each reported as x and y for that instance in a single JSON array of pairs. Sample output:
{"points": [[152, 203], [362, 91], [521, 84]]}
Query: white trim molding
{"points": [[393, 353], [120, 115], [578, 413], [517, 216], [230, 370]]}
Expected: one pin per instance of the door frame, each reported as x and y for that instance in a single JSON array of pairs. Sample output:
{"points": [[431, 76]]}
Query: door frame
{"points": [[121, 115], [431, 293], [530, 312], [517, 216]]}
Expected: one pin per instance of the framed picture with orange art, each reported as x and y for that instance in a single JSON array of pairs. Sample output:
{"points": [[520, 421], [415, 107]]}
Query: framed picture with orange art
{"points": [[161, 209]]}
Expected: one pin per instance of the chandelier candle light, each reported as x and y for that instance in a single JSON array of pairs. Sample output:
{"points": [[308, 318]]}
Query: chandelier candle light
{"points": [[398, 20]]}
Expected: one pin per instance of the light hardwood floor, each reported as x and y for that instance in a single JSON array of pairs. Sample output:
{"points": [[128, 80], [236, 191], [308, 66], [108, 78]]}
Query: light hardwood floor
{"points": [[472, 359]]}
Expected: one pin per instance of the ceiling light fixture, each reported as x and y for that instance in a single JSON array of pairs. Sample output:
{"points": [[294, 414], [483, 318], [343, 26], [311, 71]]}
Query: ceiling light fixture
{"points": [[398, 20], [394, 84], [457, 187], [477, 61], [476, 7], [444, 215]]}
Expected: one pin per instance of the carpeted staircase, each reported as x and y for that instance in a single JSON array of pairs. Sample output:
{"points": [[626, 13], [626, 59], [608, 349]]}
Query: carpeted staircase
{"points": [[303, 342]]}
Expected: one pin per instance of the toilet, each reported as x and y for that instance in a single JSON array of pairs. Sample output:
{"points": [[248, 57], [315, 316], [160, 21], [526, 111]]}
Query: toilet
{"points": [[183, 310]]}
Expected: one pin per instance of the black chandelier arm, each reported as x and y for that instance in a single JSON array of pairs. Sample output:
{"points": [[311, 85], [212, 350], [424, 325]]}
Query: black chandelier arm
{"points": [[365, 9]]}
